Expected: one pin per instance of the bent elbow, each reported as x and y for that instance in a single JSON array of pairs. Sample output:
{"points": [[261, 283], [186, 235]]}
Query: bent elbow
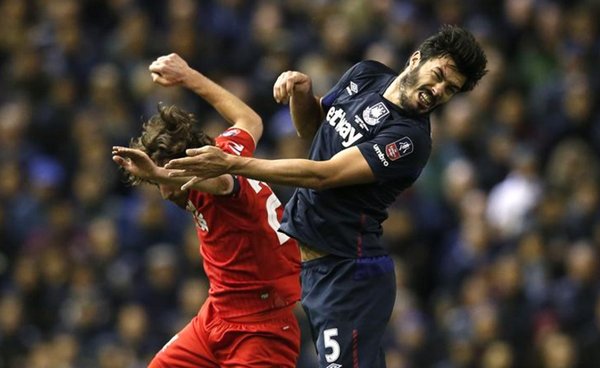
{"points": [[253, 124], [224, 185], [257, 130], [256, 120]]}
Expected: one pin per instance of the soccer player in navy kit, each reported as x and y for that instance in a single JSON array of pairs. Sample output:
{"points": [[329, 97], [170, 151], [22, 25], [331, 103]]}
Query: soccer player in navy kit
{"points": [[372, 138]]}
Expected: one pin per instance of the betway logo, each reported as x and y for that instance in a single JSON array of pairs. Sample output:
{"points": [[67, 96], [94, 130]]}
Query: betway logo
{"points": [[337, 119]]}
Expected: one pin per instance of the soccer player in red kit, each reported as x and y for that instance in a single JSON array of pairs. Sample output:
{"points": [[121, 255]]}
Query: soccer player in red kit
{"points": [[253, 270]]}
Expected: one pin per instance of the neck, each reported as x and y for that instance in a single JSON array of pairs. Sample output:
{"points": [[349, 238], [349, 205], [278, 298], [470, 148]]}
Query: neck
{"points": [[392, 93]]}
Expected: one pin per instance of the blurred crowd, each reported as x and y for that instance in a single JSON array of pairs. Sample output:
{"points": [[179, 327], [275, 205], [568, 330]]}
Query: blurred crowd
{"points": [[496, 245]]}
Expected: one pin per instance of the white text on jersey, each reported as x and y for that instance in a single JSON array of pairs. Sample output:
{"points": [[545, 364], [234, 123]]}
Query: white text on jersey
{"points": [[337, 118], [380, 155], [198, 217]]}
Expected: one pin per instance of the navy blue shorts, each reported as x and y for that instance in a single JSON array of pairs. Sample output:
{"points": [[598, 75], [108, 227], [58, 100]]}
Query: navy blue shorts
{"points": [[348, 303]]}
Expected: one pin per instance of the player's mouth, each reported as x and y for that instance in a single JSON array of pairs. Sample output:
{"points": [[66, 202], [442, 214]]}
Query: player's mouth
{"points": [[426, 99]]}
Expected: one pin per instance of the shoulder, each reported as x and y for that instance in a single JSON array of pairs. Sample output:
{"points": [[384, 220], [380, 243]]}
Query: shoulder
{"points": [[371, 67], [367, 69], [419, 128]]}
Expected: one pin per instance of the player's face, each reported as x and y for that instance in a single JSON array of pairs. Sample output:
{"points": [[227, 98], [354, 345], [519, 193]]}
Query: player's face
{"points": [[430, 84], [174, 194]]}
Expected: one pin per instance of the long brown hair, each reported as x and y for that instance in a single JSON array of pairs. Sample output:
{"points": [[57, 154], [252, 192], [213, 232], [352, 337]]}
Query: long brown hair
{"points": [[167, 135]]}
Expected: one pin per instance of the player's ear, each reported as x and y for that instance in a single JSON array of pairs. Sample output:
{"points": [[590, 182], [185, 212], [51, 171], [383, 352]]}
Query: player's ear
{"points": [[415, 58]]}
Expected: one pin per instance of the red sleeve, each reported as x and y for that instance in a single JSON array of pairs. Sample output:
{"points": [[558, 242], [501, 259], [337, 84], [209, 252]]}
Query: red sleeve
{"points": [[236, 141]]}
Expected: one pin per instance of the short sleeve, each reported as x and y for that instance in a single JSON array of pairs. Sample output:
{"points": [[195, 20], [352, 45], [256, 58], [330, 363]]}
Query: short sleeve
{"points": [[397, 152], [361, 70], [236, 141]]}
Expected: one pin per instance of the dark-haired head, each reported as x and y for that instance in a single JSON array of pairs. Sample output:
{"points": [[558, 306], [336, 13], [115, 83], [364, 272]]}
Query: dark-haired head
{"points": [[461, 46], [166, 136]]}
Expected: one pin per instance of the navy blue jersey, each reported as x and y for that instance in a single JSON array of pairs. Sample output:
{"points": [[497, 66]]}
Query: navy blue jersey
{"points": [[346, 221]]}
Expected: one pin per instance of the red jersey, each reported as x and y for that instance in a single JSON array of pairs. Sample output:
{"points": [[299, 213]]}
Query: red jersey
{"points": [[251, 267]]}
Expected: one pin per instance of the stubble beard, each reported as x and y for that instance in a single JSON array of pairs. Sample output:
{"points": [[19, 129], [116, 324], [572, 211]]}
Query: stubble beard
{"points": [[406, 82]]}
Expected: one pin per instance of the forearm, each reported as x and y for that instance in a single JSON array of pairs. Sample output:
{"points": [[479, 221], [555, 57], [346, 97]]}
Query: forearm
{"points": [[160, 175], [347, 167], [230, 107], [306, 114], [291, 172]]}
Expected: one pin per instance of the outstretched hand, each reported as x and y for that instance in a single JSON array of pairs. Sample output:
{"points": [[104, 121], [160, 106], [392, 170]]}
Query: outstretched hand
{"points": [[288, 83], [135, 161], [202, 163], [169, 70]]}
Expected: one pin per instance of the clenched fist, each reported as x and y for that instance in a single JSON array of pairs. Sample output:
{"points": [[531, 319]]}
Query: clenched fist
{"points": [[289, 83], [170, 70]]}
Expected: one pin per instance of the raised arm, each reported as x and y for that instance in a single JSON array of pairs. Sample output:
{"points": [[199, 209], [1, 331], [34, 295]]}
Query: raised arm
{"points": [[172, 70], [295, 88], [347, 167]]}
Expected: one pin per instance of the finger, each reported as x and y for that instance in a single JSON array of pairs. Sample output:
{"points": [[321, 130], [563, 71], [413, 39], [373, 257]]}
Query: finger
{"points": [[157, 78], [275, 92], [121, 148], [156, 67], [124, 151], [180, 163], [187, 163], [179, 173], [191, 182], [119, 160], [277, 87], [281, 94], [193, 151], [282, 97], [289, 86], [117, 150]]}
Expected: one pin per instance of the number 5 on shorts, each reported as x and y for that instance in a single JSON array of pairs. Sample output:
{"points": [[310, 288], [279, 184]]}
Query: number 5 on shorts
{"points": [[331, 343]]}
